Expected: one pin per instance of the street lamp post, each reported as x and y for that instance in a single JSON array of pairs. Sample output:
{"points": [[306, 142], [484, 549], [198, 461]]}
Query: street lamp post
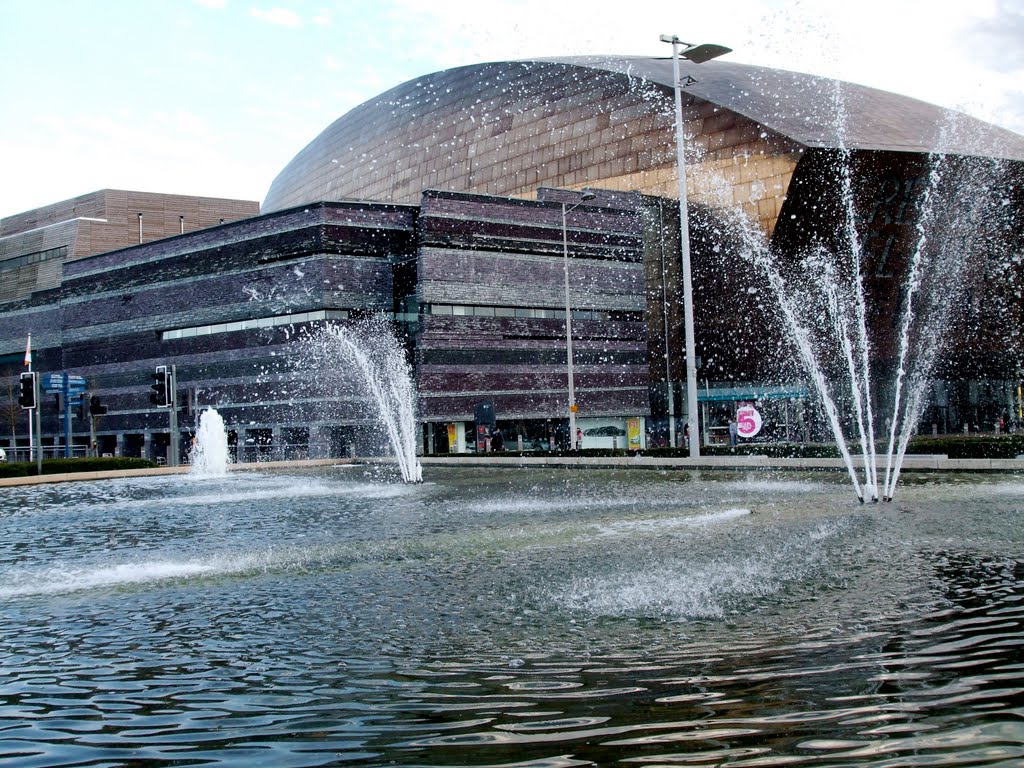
{"points": [[697, 54], [566, 209]]}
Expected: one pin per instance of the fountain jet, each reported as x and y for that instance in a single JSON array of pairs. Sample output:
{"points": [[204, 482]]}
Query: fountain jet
{"points": [[369, 357], [209, 455], [823, 304]]}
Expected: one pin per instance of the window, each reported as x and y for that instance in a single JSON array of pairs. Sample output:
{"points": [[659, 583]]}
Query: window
{"points": [[255, 322]]}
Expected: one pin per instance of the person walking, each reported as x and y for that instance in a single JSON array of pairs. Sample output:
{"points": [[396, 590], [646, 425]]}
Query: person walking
{"points": [[732, 433]]}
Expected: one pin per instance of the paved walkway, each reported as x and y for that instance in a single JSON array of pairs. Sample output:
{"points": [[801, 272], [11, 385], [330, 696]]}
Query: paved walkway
{"points": [[915, 463], [910, 463], [156, 471]]}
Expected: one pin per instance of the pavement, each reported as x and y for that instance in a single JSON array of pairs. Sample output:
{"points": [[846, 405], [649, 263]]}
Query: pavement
{"points": [[911, 463], [914, 463], [66, 477]]}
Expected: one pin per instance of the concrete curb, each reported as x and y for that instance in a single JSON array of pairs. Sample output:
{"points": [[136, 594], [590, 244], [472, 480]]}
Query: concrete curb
{"points": [[67, 477], [919, 463]]}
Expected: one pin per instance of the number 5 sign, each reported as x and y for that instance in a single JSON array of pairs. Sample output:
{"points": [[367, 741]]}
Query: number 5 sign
{"points": [[748, 421]]}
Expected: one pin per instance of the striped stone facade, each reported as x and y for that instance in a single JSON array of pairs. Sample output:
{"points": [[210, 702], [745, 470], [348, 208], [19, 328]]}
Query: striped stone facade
{"points": [[491, 288], [476, 281]]}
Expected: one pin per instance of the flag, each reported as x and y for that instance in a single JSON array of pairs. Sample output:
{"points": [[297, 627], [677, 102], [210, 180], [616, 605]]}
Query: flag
{"points": [[28, 351]]}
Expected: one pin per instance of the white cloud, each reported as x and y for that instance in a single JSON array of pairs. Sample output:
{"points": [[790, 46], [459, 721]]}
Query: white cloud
{"points": [[282, 17], [233, 138], [911, 47]]}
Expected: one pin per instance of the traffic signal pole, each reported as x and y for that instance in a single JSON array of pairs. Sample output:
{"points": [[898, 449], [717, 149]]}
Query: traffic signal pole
{"points": [[173, 397], [165, 395], [67, 417], [28, 398]]}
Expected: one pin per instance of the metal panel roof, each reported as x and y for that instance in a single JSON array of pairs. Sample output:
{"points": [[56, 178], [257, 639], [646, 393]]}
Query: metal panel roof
{"points": [[822, 112]]}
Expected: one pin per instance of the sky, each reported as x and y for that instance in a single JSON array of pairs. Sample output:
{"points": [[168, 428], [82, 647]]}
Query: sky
{"points": [[214, 97]]}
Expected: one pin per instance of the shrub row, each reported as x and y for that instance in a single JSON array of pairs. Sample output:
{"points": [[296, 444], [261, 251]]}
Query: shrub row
{"points": [[980, 447], [955, 447], [61, 466]]}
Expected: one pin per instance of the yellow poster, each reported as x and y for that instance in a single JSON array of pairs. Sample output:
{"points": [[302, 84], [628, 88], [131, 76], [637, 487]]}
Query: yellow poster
{"points": [[453, 439], [633, 433]]}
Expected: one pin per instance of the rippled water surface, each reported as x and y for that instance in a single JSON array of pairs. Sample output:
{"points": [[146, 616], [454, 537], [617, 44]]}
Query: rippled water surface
{"points": [[512, 617]]}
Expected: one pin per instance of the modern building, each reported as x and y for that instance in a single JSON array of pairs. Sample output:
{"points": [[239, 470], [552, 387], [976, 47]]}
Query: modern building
{"points": [[452, 203], [779, 158], [478, 282]]}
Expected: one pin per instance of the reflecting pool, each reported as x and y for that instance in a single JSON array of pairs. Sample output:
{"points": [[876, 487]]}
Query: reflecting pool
{"points": [[512, 617]]}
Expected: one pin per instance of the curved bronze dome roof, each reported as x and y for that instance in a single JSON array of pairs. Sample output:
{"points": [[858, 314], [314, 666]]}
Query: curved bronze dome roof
{"points": [[510, 127]]}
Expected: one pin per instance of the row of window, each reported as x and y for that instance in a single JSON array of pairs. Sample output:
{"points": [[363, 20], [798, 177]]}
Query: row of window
{"points": [[525, 312], [259, 322], [61, 252], [341, 314]]}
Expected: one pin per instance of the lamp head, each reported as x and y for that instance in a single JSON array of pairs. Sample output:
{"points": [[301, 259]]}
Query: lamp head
{"points": [[698, 54]]}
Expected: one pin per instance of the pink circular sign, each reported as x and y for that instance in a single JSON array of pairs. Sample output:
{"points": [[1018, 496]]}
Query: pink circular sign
{"points": [[748, 421]]}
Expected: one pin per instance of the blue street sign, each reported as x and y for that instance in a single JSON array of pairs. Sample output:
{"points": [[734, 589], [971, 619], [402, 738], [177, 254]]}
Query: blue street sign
{"points": [[55, 383]]}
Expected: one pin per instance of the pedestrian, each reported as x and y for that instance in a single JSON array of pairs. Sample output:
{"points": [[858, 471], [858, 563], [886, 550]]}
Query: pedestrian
{"points": [[497, 441], [732, 433], [579, 438]]}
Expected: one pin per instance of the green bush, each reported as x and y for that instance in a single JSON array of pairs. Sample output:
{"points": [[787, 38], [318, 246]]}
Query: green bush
{"points": [[17, 469], [965, 447], [953, 446], [61, 466], [776, 450]]}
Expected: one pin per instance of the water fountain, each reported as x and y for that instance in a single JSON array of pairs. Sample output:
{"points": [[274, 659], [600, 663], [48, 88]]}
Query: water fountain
{"points": [[366, 361], [822, 304], [209, 456], [486, 618]]}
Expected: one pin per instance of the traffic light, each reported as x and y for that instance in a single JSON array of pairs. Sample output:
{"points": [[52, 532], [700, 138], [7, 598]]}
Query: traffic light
{"points": [[27, 394], [96, 408], [160, 396]]}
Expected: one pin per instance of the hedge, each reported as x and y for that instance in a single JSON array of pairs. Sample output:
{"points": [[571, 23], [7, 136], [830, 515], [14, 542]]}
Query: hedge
{"points": [[955, 447], [61, 466]]}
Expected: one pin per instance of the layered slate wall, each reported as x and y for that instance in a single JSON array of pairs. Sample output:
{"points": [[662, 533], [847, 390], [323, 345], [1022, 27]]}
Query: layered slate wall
{"points": [[491, 290], [223, 305], [477, 281]]}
